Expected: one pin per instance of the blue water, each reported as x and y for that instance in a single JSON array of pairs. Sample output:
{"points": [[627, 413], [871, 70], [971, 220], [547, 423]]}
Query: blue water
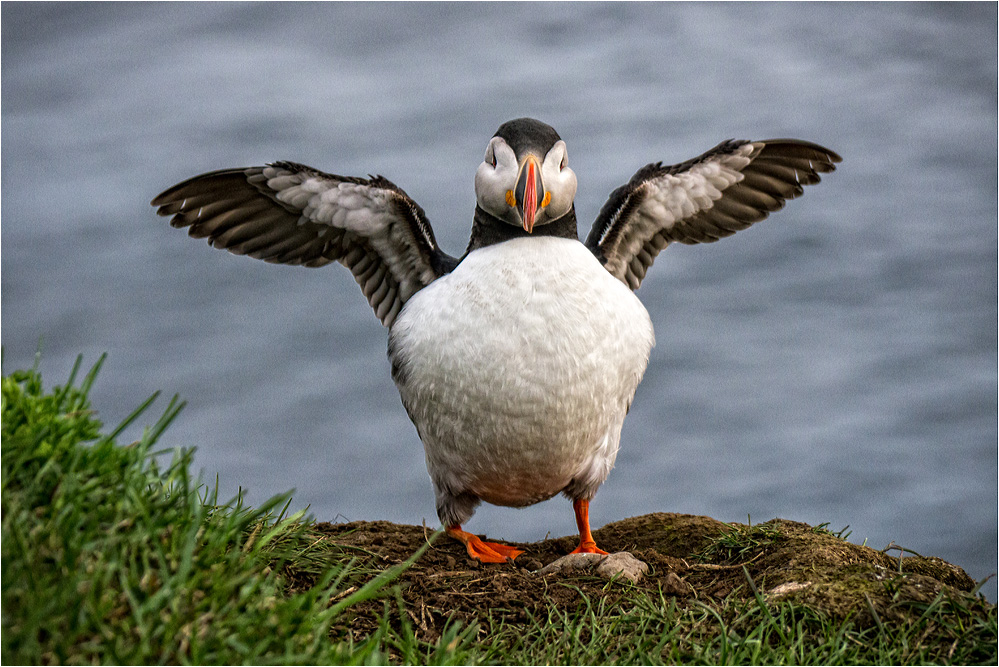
{"points": [[836, 363]]}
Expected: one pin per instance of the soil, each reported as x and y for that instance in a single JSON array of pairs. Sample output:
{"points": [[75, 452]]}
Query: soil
{"points": [[689, 557]]}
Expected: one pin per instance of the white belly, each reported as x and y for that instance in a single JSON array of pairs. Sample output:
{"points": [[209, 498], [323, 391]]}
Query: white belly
{"points": [[518, 369]]}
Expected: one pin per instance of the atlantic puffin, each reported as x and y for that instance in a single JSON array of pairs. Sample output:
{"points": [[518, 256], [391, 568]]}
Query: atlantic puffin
{"points": [[518, 360]]}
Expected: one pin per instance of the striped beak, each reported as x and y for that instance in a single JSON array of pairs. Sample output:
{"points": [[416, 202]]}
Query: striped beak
{"points": [[530, 192]]}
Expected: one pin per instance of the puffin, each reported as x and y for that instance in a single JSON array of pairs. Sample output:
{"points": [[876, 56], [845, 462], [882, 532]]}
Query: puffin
{"points": [[518, 360]]}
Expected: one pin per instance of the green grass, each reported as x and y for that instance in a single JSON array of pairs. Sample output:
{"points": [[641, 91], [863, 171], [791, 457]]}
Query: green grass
{"points": [[647, 630], [111, 557], [739, 540]]}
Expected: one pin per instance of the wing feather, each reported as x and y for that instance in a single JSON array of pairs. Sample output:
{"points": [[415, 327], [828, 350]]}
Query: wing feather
{"points": [[288, 213], [723, 191]]}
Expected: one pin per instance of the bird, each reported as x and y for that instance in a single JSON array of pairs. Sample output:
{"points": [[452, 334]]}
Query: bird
{"points": [[518, 360]]}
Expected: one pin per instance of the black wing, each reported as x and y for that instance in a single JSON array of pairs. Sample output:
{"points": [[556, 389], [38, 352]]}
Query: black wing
{"points": [[288, 213], [702, 200]]}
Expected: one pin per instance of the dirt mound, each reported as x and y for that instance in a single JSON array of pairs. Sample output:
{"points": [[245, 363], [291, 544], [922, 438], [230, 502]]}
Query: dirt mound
{"points": [[690, 558]]}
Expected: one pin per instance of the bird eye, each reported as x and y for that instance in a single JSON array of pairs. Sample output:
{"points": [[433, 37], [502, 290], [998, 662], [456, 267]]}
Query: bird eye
{"points": [[490, 158], [563, 155]]}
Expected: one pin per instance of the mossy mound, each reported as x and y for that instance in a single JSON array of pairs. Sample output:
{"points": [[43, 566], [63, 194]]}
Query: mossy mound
{"points": [[694, 559]]}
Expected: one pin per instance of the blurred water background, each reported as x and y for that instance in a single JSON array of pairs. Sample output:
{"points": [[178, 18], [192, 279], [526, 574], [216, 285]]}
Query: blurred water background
{"points": [[836, 363]]}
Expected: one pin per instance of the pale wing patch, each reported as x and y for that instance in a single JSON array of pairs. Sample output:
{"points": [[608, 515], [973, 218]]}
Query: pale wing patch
{"points": [[364, 210], [291, 214], [674, 197], [715, 195], [352, 206]]}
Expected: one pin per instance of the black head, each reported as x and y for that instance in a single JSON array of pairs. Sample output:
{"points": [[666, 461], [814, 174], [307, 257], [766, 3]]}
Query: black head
{"points": [[525, 135], [525, 179]]}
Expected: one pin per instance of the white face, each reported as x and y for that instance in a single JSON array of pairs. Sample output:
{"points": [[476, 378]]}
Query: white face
{"points": [[496, 187]]}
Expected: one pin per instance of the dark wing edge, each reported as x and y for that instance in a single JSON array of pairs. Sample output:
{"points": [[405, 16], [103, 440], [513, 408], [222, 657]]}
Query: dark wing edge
{"points": [[725, 190], [288, 213]]}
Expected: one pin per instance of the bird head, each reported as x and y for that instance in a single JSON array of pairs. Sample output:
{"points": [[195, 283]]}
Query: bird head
{"points": [[525, 179]]}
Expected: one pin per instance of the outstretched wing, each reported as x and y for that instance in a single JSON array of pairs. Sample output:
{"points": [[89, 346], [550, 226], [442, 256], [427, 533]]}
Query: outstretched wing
{"points": [[288, 213], [702, 200]]}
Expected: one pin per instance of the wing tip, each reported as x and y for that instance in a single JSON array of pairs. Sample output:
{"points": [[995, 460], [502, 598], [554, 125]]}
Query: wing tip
{"points": [[830, 157]]}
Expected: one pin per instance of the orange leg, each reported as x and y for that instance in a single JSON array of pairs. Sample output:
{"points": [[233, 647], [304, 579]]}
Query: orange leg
{"points": [[586, 543], [487, 552]]}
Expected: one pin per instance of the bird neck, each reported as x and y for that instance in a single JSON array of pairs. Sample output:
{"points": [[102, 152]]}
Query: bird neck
{"points": [[488, 229]]}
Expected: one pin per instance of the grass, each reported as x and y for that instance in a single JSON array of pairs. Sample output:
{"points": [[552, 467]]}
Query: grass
{"points": [[648, 631], [110, 557], [738, 541]]}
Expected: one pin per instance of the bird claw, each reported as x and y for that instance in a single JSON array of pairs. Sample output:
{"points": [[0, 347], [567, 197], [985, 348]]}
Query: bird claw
{"points": [[588, 547], [480, 550]]}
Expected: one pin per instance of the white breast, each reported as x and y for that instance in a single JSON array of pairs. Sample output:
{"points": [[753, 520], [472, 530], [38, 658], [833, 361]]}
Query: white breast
{"points": [[518, 369]]}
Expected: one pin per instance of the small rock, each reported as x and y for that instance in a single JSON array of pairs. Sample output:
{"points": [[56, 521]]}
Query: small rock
{"points": [[530, 564], [621, 564], [674, 585], [624, 565], [573, 564]]}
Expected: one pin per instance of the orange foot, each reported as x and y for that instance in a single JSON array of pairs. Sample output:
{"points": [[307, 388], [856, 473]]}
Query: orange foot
{"points": [[487, 552], [588, 548], [586, 543]]}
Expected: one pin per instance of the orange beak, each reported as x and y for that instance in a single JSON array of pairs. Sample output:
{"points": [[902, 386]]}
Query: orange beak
{"points": [[529, 192]]}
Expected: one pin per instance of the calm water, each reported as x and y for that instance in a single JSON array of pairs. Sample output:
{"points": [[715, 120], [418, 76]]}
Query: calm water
{"points": [[837, 363]]}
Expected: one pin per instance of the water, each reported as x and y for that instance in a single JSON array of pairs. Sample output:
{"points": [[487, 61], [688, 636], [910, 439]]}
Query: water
{"points": [[836, 363]]}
